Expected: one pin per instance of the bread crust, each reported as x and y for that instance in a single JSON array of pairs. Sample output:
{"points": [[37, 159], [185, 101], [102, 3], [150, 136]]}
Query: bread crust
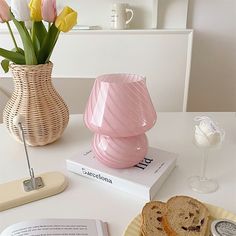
{"points": [[153, 211], [166, 219]]}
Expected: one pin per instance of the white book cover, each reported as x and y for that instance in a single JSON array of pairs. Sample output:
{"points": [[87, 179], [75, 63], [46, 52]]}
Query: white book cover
{"points": [[143, 179]]}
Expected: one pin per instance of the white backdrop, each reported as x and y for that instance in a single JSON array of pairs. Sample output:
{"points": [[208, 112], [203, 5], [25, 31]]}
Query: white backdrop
{"points": [[213, 72]]}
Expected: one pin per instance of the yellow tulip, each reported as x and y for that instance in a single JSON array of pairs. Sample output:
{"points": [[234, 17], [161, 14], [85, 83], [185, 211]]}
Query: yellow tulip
{"points": [[35, 10], [66, 20]]}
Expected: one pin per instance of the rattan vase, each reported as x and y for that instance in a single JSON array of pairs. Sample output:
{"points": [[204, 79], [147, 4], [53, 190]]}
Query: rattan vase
{"points": [[46, 115]]}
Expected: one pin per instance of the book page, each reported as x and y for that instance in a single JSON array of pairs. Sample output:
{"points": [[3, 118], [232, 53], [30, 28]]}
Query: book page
{"points": [[59, 227]]}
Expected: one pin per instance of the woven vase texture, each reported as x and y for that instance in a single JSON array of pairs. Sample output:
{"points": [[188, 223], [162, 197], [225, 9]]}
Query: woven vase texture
{"points": [[34, 97]]}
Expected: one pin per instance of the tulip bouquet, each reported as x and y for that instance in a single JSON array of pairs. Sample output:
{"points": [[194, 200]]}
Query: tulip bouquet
{"points": [[38, 39]]}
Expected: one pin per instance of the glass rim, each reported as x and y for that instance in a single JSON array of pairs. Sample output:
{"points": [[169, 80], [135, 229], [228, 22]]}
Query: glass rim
{"points": [[121, 78]]}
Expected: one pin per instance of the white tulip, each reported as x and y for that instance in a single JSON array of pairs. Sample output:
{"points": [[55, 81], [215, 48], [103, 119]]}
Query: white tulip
{"points": [[20, 9]]}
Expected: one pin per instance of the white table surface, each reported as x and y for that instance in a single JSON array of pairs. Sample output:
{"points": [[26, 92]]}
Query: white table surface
{"points": [[85, 198]]}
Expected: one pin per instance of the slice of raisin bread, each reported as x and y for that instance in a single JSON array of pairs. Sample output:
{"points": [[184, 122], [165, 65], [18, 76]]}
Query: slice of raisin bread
{"points": [[185, 216], [152, 217]]}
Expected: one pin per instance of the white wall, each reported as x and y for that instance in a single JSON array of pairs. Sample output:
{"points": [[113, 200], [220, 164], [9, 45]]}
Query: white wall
{"points": [[93, 12], [169, 13], [213, 71]]}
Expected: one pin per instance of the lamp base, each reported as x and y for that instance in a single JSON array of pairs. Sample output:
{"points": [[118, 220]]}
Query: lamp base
{"points": [[120, 152], [14, 194]]}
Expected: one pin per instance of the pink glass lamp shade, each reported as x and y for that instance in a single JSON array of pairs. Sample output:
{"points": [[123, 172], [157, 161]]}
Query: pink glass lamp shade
{"points": [[119, 112]]}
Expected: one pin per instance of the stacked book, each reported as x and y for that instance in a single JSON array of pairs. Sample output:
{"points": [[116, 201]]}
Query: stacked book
{"points": [[143, 179]]}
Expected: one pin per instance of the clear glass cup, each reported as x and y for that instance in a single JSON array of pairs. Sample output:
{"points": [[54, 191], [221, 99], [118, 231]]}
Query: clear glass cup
{"points": [[201, 183]]}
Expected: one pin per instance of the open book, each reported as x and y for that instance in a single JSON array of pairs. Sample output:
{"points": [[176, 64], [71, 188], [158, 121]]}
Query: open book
{"points": [[59, 227]]}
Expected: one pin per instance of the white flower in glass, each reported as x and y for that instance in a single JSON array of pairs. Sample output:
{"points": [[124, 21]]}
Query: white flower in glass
{"points": [[207, 133]]}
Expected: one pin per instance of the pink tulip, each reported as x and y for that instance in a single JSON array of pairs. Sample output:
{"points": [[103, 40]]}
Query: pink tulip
{"points": [[4, 12], [49, 10]]}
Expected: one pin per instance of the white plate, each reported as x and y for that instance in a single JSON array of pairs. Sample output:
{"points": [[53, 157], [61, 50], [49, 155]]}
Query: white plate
{"points": [[133, 228]]}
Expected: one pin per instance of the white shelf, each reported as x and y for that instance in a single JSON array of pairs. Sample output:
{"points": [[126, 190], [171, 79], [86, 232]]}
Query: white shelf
{"points": [[130, 31], [133, 31]]}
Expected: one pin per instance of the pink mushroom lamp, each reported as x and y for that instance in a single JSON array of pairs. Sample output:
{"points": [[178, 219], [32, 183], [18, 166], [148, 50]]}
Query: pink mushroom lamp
{"points": [[119, 111]]}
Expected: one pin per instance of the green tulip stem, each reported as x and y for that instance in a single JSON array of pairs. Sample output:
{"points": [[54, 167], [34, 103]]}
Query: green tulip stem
{"points": [[12, 35], [55, 41], [32, 31]]}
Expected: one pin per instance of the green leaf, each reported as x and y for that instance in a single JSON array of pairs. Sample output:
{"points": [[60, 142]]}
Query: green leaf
{"points": [[40, 31], [15, 57], [20, 50], [5, 65], [48, 44], [35, 40], [30, 57], [36, 45]]}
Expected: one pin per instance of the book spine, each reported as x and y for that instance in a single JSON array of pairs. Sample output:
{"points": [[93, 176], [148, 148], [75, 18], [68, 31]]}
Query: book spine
{"points": [[169, 166], [125, 185]]}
